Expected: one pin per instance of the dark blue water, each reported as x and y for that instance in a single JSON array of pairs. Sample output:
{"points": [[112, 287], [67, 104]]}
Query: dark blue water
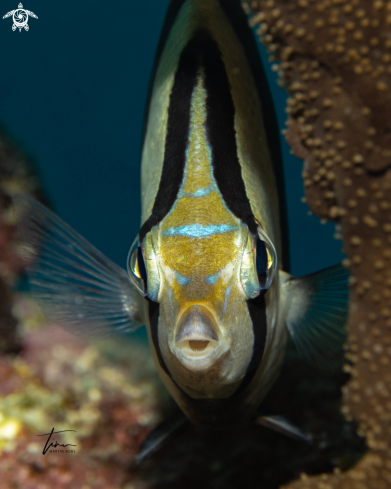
{"points": [[72, 94]]}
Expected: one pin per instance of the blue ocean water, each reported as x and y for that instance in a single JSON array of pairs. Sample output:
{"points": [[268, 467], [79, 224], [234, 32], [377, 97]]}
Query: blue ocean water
{"points": [[72, 94]]}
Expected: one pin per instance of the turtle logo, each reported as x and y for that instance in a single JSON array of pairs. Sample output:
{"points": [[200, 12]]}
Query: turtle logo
{"points": [[20, 17]]}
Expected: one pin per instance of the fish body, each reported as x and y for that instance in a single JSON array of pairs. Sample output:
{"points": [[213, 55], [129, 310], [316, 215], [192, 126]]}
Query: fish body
{"points": [[208, 271], [208, 181]]}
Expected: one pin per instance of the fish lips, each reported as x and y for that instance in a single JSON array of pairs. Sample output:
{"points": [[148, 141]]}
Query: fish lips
{"points": [[198, 342]]}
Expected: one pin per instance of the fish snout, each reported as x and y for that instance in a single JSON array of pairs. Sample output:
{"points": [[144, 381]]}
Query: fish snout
{"points": [[198, 342]]}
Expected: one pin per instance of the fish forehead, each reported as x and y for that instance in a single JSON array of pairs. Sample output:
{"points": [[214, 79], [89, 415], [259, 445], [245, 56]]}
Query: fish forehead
{"points": [[200, 236], [199, 257]]}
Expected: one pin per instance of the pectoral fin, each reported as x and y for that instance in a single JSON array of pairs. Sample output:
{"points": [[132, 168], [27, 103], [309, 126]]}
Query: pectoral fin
{"points": [[317, 307], [282, 425], [76, 285]]}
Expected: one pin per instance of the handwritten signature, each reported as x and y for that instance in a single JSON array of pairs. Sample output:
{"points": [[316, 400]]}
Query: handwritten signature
{"points": [[55, 444]]}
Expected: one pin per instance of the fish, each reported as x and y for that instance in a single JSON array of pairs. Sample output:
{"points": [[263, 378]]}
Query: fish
{"points": [[208, 272]]}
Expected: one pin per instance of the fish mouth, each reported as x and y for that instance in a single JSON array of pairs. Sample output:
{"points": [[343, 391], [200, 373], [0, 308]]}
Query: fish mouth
{"points": [[198, 342]]}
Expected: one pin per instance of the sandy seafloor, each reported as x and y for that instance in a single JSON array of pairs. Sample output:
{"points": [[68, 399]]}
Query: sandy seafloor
{"points": [[72, 96]]}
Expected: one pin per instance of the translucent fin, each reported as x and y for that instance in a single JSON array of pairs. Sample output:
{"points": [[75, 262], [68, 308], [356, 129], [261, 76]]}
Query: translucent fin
{"points": [[161, 435], [282, 425], [317, 307], [76, 285]]}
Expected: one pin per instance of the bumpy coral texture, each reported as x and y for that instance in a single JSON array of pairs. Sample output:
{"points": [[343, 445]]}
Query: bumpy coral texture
{"points": [[335, 60]]}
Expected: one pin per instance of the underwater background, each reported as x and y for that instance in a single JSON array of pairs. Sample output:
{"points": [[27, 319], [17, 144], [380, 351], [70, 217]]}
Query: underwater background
{"points": [[72, 95]]}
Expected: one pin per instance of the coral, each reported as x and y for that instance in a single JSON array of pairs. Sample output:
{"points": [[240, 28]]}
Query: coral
{"points": [[107, 392], [16, 171], [16, 175], [9, 341], [335, 61]]}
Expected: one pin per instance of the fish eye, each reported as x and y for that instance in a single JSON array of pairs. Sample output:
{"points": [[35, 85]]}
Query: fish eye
{"points": [[261, 258], [265, 260], [136, 267], [259, 264], [143, 268]]}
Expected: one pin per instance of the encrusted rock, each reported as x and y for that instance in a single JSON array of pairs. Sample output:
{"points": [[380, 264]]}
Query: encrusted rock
{"points": [[340, 65]]}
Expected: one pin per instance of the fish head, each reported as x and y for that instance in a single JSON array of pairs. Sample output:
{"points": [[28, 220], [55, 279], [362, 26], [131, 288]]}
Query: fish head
{"points": [[203, 278]]}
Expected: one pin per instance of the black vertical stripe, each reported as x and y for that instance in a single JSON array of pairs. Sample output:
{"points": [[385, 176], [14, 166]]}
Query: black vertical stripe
{"points": [[257, 310], [178, 125], [169, 20], [239, 22], [153, 310], [222, 137]]}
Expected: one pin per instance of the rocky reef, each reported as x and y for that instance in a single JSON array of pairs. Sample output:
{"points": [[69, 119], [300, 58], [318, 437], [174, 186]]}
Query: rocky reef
{"points": [[334, 58], [16, 175], [105, 393]]}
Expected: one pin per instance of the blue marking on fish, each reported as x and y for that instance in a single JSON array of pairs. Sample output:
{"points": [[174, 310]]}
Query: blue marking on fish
{"points": [[181, 279], [202, 192], [209, 153], [199, 231], [212, 279]]}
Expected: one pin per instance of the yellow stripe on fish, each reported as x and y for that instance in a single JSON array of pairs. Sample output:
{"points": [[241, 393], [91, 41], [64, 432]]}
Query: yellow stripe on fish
{"points": [[198, 238]]}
